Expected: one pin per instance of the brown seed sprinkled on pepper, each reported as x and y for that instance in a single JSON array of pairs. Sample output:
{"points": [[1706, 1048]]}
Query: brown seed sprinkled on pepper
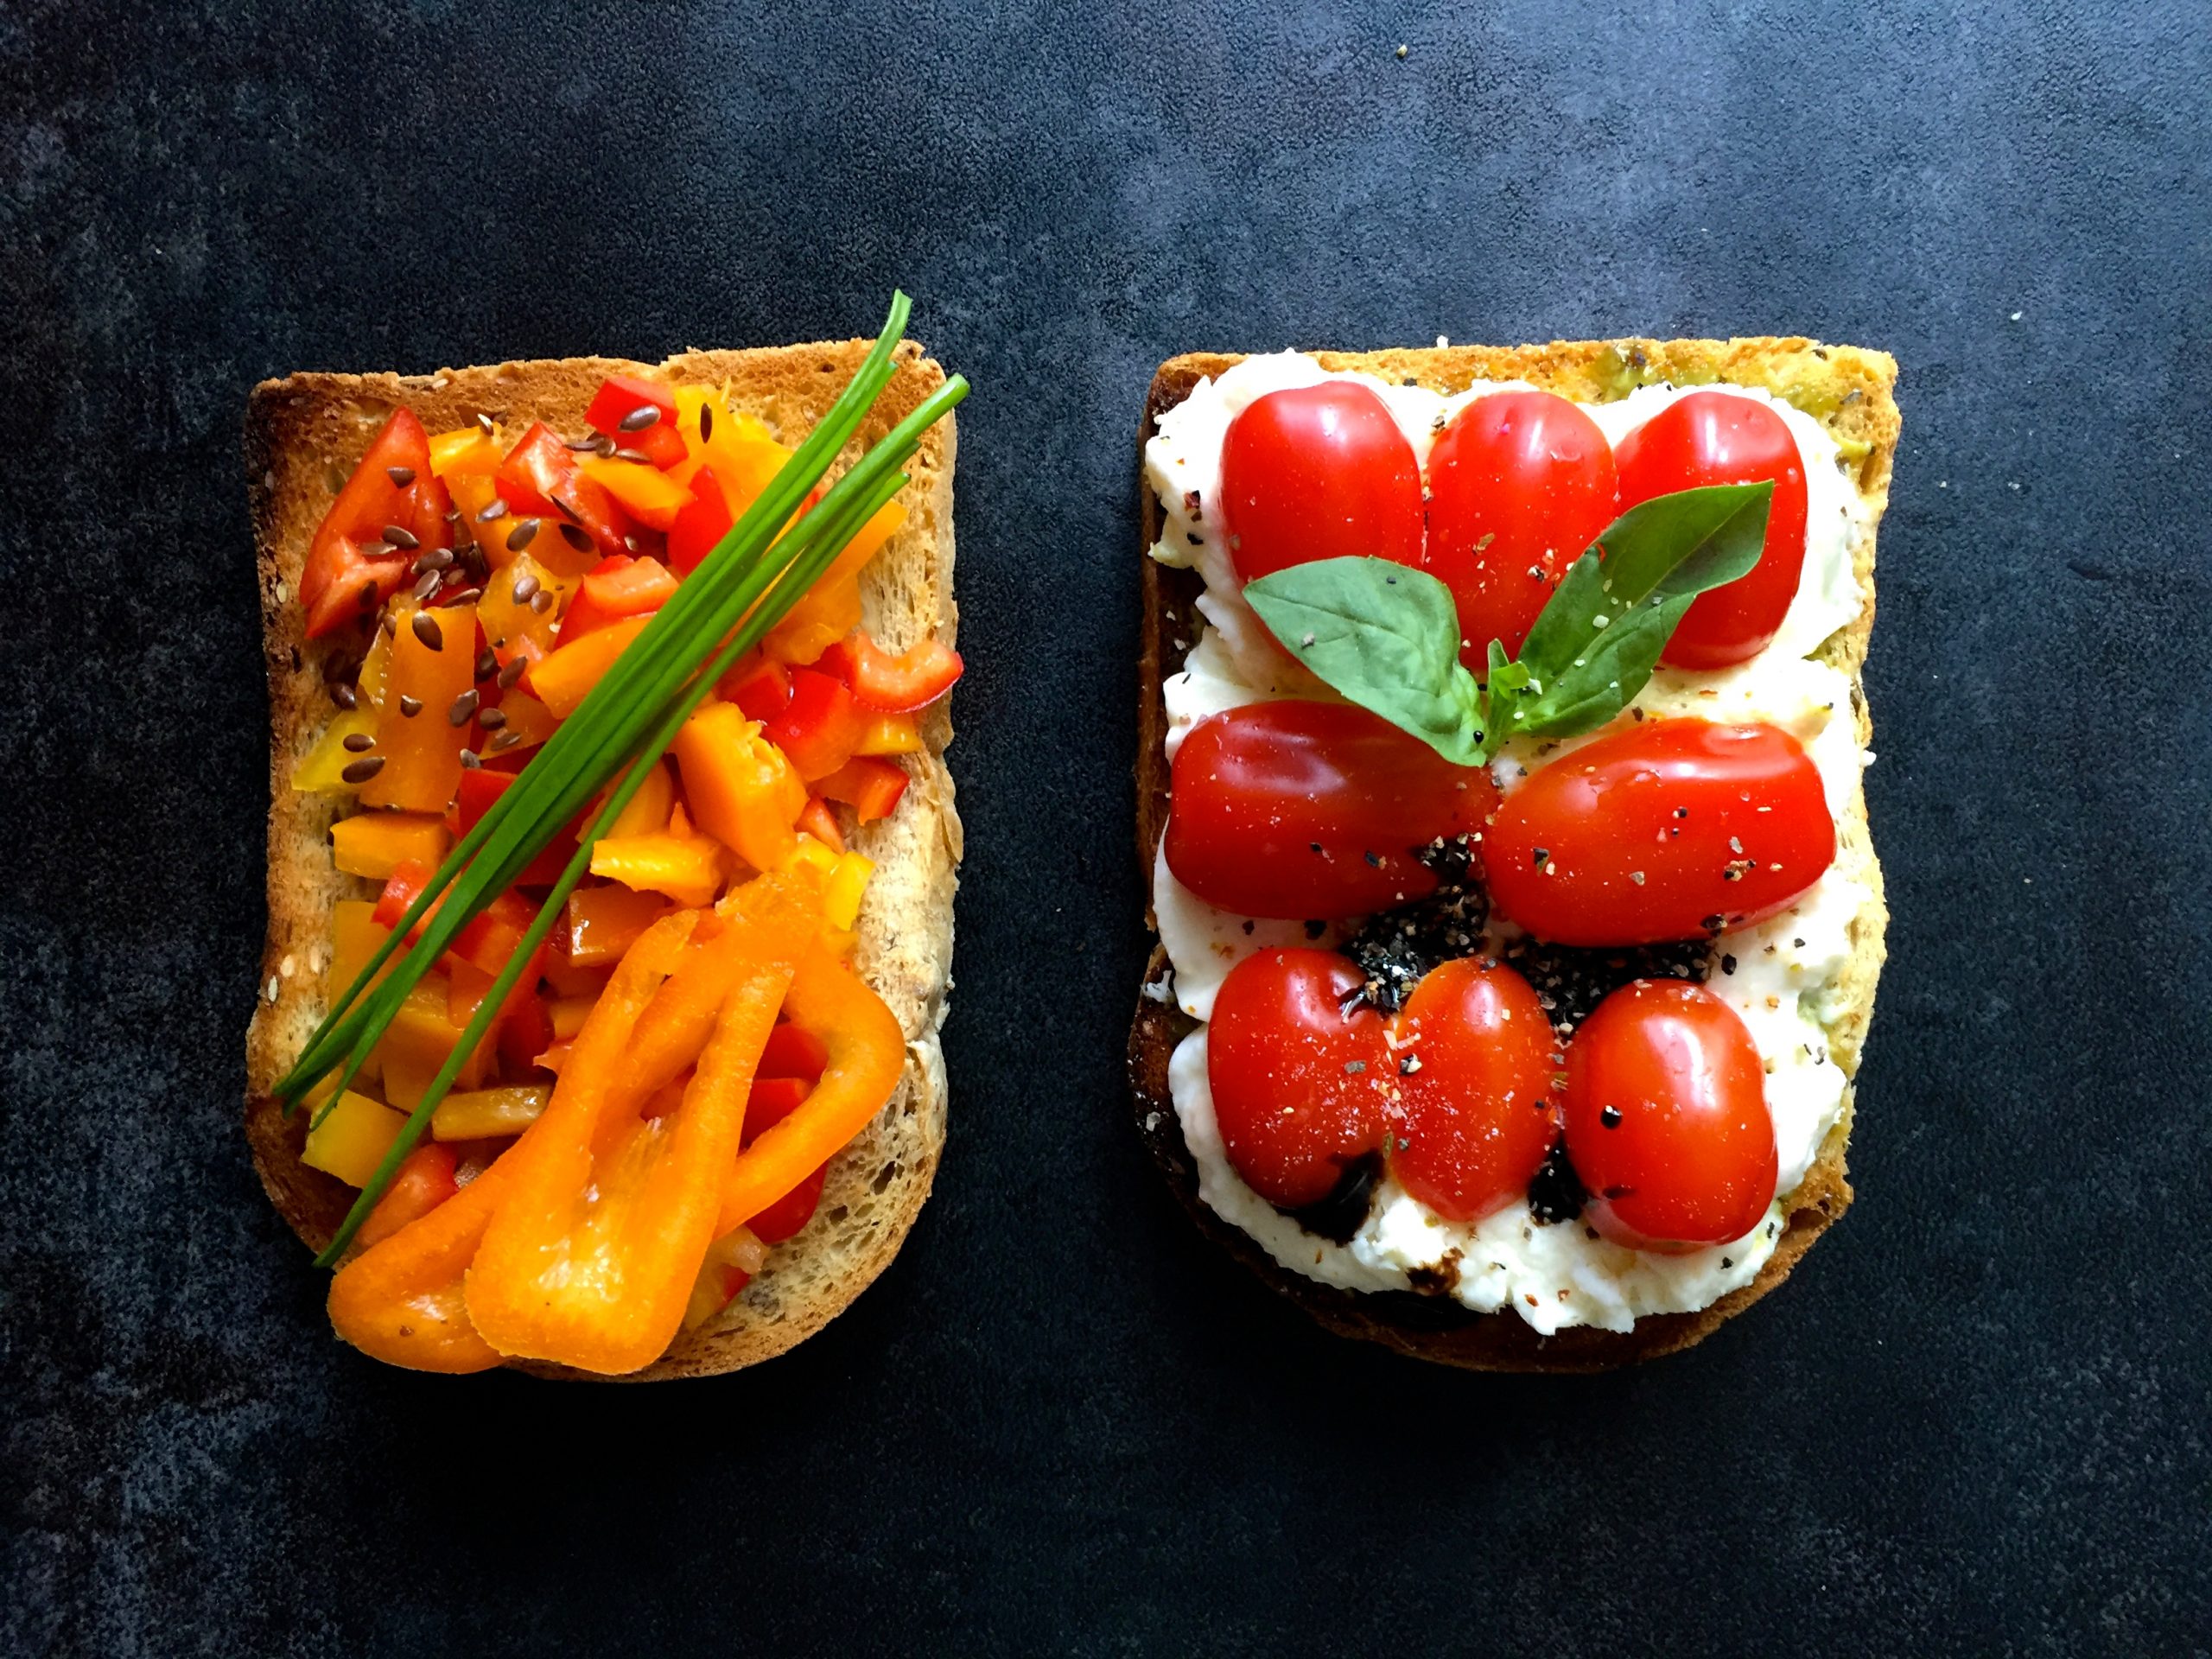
{"points": [[541, 603], [486, 664], [437, 558], [526, 585], [576, 537], [637, 455], [402, 476], [462, 597], [410, 707], [490, 719], [469, 761], [359, 742], [426, 630], [641, 417], [361, 771], [495, 508], [401, 537], [464, 708], [512, 672], [519, 536], [430, 583], [706, 422], [504, 740], [344, 694]]}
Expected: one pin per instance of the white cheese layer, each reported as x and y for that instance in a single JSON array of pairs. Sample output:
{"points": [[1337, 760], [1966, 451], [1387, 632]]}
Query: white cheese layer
{"points": [[1774, 974]]}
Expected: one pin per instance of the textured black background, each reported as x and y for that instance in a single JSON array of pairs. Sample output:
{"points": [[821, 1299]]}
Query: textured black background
{"points": [[1977, 1420]]}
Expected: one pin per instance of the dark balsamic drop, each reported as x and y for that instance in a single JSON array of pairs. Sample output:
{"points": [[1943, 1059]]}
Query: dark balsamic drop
{"points": [[1340, 1215], [1557, 1194]]}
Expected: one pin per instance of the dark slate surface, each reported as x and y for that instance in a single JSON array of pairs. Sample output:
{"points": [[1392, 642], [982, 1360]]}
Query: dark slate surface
{"points": [[1976, 1420]]}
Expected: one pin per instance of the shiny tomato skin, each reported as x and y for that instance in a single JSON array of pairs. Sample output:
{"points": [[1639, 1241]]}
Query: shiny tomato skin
{"points": [[1258, 789], [1477, 1116], [1715, 437], [1319, 471], [1532, 472], [1667, 1121], [1298, 1087], [1666, 830]]}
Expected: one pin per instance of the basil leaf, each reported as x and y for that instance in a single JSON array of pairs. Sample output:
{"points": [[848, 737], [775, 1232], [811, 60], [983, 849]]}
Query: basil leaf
{"points": [[1387, 636], [1598, 638]]}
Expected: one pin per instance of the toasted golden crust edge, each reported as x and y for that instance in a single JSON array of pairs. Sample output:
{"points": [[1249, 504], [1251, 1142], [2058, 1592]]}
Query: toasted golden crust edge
{"points": [[1855, 388], [303, 431]]}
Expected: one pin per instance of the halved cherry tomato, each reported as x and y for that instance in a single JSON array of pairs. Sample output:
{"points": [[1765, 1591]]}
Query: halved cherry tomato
{"points": [[699, 526], [541, 476], [1299, 1086], [424, 1180], [871, 787], [1474, 1061], [1519, 484], [1319, 472], [888, 684], [339, 581], [616, 587], [619, 398], [1667, 1121], [1309, 810], [819, 727], [772, 1100], [792, 1051], [1719, 437], [1665, 831]]}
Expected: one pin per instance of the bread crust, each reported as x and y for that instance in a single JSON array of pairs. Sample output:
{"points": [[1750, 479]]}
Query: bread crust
{"points": [[1850, 390], [304, 433]]}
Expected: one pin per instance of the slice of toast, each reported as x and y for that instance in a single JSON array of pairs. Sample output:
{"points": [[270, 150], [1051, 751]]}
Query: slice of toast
{"points": [[1849, 390], [303, 436]]}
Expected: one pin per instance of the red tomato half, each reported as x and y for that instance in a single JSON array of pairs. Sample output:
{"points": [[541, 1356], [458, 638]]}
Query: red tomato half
{"points": [[1312, 809], [1666, 830], [1318, 473], [1298, 1086], [1715, 437], [1519, 484], [1478, 1116], [1666, 1120]]}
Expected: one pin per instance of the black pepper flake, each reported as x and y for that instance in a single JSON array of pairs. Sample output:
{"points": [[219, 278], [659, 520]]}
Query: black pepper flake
{"points": [[1538, 855], [1728, 964], [1727, 1262], [1610, 1117], [1374, 860]]}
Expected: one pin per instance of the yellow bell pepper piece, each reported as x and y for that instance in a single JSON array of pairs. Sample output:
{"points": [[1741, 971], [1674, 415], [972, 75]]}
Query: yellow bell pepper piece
{"points": [[687, 868], [469, 449], [419, 1037], [376, 667], [487, 1114], [649, 808], [352, 1139], [320, 770], [422, 752], [650, 495], [516, 626], [891, 734], [563, 680], [843, 888], [374, 844], [810, 858], [741, 789]]}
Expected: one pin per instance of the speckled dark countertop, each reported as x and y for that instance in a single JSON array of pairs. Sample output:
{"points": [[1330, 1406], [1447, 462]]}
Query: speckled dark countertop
{"points": [[1976, 1420]]}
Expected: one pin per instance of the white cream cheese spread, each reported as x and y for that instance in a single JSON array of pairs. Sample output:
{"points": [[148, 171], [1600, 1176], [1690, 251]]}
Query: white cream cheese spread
{"points": [[1774, 974]]}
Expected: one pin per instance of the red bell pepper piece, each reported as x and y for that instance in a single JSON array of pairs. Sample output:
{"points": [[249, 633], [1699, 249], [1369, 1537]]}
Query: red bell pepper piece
{"points": [[699, 526], [792, 1051], [424, 1180], [486, 940], [820, 727], [480, 787], [888, 684], [614, 588], [759, 686], [870, 785], [818, 821], [620, 397], [384, 490], [540, 476], [772, 1101]]}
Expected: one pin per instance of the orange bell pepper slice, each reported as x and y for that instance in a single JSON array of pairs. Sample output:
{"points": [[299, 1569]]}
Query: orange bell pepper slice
{"points": [[563, 680], [401, 1300], [591, 1260], [866, 1054], [421, 751]]}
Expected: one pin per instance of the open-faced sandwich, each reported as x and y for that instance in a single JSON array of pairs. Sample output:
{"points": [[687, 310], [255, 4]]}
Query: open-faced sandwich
{"points": [[611, 846], [1500, 791]]}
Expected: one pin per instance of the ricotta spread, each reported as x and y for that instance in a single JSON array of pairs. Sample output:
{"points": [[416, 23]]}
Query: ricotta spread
{"points": [[1776, 975]]}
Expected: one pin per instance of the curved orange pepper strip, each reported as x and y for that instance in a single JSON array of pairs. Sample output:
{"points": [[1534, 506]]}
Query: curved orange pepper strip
{"points": [[401, 1300], [591, 1258], [867, 1052]]}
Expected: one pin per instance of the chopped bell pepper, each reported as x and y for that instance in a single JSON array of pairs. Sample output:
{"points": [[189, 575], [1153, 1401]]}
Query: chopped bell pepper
{"points": [[529, 722], [524, 1033], [540, 475], [321, 770], [487, 1114], [792, 1051], [418, 1039], [424, 1181], [567, 1013], [340, 581], [889, 684], [688, 869], [602, 924], [649, 808], [819, 726], [615, 407], [737, 447], [422, 752], [870, 786], [563, 680], [891, 734], [614, 588], [843, 888], [820, 822], [758, 686], [699, 524], [480, 787], [467, 450], [729, 1266], [772, 1100], [831, 609], [647, 494], [374, 844], [867, 1055], [741, 790], [521, 626], [352, 1137], [591, 1259]]}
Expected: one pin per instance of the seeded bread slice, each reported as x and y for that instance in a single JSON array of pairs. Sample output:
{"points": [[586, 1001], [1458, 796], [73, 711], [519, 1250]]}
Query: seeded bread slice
{"points": [[1850, 391], [304, 434]]}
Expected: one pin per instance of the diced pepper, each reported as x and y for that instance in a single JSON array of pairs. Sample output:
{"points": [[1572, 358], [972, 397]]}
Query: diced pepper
{"points": [[420, 1037], [376, 667], [820, 822], [616, 403], [688, 869], [518, 627], [810, 859], [731, 1261], [471, 984], [774, 1099], [792, 1051], [648, 495], [891, 734], [424, 1180], [524, 1033], [466, 450], [374, 844], [480, 787], [649, 808], [320, 770], [738, 447], [529, 722], [352, 1138], [870, 786], [603, 923], [422, 752], [843, 888], [889, 684], [540, 474], [741, 790], [339, 581], [566, 978], [756, 685], [819, 726], [563, 680], [341, 584], [699, 524], [831, 609], [568, 1013], [614, 588], [484, 1113]]}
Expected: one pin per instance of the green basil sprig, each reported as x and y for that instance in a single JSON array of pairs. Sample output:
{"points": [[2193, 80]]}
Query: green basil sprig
{"points": [[1387, 636]]}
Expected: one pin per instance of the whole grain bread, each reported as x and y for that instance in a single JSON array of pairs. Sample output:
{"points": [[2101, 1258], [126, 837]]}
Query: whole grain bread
{"points": [[303, 435], [1850, 391]]}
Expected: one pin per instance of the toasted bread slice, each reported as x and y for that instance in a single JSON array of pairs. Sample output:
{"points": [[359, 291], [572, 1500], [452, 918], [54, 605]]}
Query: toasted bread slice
{"points": [[303, 435], [1849, 391]]}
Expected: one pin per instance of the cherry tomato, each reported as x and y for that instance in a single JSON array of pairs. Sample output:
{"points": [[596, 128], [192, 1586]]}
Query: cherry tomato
{"points": [[1715, 437], [1298, 1084], [1312, 809], [1666, 1120], [1477, 1113], [1318, 473], [1666, 830], [1519, 484]]}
